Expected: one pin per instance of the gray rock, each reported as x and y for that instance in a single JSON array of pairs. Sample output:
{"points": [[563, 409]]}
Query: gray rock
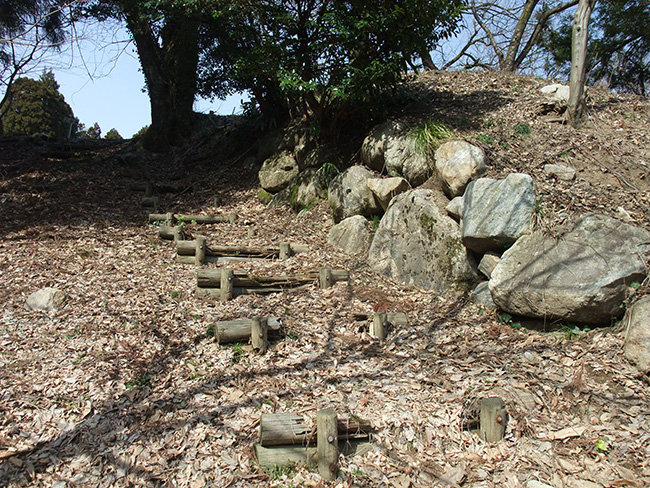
{"points": [[458, 162], [374, 145], [637, 338], [580, 277], [557, 91], [418, 244], [278, 171], [497, 212], [307, 189], [385, 189], [560, 172], [349, 194], [319, 156], [404, 157], [488, 262], [300, 140], [482, 296], [46, 299], [455, 208], [353, 235]]}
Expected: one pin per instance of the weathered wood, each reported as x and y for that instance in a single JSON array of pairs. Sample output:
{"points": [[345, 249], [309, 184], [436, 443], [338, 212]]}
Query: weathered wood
{"points": [[227, 284], [287, 428], [393, 318], [187, 248], [209, 278], [151, 202], [326, 278], [285, 251], [179, 234], [199, 251], [238, 291], [270, 457], [493, 419], [259, 334], [379, 325], [148, 189], [240, 330], [199, 219], [327, 444]]}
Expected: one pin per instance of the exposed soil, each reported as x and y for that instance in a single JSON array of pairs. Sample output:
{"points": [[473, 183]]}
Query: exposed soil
{"points": [[124, 386]]}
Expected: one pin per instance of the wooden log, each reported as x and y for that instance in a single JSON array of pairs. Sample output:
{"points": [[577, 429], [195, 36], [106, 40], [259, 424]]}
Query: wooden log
{"points": [[259, 334], [179, 234], [285, 251], [493, 419], [393, 318], [240, 330], [148, 189], [169, 232], [187, 248], [151, 202], [270, 457], [211, 278], [199, 219], [379, 325], [327, 444], [227, 284], [192, 260], [199, 251], [287, 428]]}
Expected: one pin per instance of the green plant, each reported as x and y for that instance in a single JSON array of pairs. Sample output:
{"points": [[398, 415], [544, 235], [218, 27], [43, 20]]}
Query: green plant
{"points": [[376, 219], [506, 319], [176, 294], [485, 139], [278, 472], [142, 381], [601, 444], [428, 135], [328, 172], [522, 129], [238, 352]]}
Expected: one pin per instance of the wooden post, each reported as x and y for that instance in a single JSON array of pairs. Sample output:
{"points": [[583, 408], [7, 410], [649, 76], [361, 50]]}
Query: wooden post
{"points": [[169, 219], [327, 444], [493, 419], [326, 279], [232, 217], [199, 253], [285, 251], [379, 323], [227, 283], [150, 202], [148, 189], [179, 235], [259, 334]]}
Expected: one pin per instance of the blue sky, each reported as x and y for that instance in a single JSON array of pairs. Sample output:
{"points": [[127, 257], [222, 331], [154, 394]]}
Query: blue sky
{"points": [[113, 96]]}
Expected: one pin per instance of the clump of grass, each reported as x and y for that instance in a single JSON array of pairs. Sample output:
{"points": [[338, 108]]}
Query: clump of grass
{"points": [[522, 129], [429, 135]]}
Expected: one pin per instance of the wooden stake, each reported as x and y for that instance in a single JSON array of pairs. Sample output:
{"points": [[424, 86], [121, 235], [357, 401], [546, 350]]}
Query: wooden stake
{"points": [[227, 283], [493, 419], [150, 202], [148, 189], [232, 217], [326, 278], [169, 219], [259, 334], [327, 444], [179, 235], [200, 250], [285, 251], [379, 323]]}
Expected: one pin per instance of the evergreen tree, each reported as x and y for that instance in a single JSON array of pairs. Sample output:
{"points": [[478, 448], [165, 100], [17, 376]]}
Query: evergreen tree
{"points": [[113, 134], [37, 107]]}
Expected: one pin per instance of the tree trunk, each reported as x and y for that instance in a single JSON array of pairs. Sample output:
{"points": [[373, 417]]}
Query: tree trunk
{"points": [[517, 35], [576, 108], [169, 63]]}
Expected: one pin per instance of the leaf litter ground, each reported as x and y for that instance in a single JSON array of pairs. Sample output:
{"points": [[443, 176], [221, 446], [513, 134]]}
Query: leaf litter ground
{"points": [[124, 386]]}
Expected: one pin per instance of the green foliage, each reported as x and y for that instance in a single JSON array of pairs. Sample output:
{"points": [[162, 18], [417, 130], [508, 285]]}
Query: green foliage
{"points": [[328, 172], [92, 132], [485, 139], [522, 129], [141, 381], [141, 133], [264, 196], [602, 444], [37, 107], [429, 135], [113, 134]]}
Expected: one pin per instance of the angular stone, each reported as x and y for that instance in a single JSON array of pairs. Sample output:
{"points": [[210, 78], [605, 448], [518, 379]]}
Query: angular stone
{"points": [[278, 171], [46, 299], [385, 189], [488, 262], [458, 162], [349, 194], [374, 145], [581, 277], [482, 296], [497, 212], [455, 208], [637, 338], [564, 173], [353, 235], [404, 157], [418, 244]]}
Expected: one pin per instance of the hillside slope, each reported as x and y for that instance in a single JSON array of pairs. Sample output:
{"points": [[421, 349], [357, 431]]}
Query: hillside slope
{"points": [[125, 386]]}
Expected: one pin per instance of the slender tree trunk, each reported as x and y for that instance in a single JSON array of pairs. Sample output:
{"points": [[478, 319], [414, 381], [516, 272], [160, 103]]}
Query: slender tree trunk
{"points": [[576, 108], [427, 62], [515, 42]]}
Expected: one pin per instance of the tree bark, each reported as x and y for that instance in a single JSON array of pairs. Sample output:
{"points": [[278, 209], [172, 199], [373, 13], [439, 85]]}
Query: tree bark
{"points": [[576, 108]]}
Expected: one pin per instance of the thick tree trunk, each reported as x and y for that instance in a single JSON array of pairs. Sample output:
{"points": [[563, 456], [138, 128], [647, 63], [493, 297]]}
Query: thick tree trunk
{"points": [[515, 42], [576, 108], [169, 63]]}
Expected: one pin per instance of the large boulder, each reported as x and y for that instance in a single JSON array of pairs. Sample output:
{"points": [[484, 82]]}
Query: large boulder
{"points": [[418, 244], [349, 194], [580, 277], [457, 163], [374, 145], [353, 235], [304, 191], [495, 213], [405, 157], [385, 189], [46, 299], [637, 339], [278, 171]]}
